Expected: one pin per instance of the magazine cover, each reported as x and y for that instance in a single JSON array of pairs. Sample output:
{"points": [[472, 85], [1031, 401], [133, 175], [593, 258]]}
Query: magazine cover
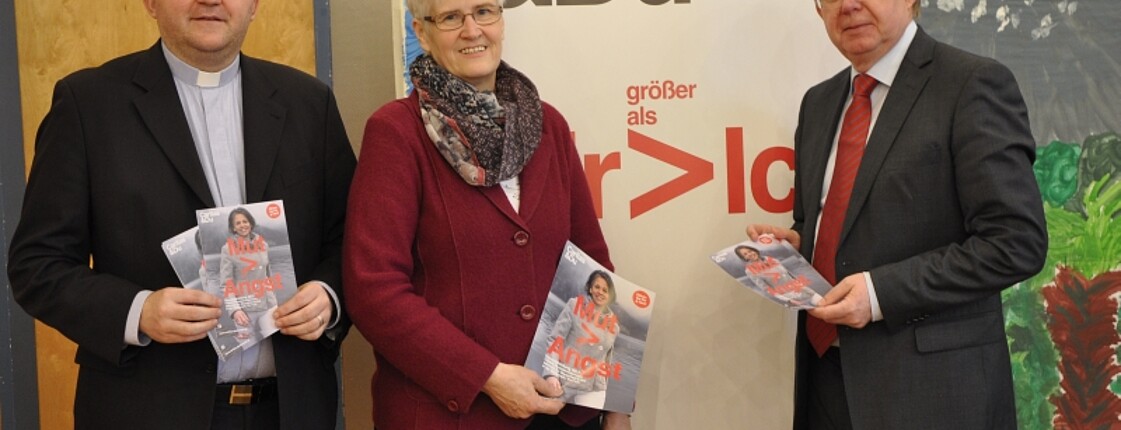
{"points": [[592, 334], [184, 252], [248, 264], [185, 255], [775, 270]]}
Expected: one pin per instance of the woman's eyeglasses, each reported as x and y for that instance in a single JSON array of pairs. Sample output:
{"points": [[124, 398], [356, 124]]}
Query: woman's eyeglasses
{"points": [[483, 15]]}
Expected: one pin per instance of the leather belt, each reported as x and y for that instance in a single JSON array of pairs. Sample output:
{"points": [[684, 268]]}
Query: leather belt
{"points": [[246, 392]]}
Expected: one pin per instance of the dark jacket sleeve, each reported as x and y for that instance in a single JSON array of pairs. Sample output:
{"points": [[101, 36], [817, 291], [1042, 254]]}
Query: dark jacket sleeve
{"points": [[339, 170], [1004, 236], [49, 258]]}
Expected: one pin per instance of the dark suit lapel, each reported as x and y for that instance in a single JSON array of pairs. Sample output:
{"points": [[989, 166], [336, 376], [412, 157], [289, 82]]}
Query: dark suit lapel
{"points": [[263, 123], [909, 83], [162, 113]]}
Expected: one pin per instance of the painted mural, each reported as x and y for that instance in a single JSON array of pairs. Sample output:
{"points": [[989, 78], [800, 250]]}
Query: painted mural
{"points": [[1063, 323]]}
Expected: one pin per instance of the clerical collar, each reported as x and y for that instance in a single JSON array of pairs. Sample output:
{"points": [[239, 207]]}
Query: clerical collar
{"points": [[188, 74]]}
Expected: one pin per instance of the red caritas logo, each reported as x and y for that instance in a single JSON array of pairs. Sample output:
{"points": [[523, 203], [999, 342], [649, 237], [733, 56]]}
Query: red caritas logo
{"points": [[641, 299], [273, 211]]}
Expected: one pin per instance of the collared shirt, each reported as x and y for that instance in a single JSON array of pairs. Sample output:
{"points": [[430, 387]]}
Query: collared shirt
{"points": [[884, 72], [212, 105]]}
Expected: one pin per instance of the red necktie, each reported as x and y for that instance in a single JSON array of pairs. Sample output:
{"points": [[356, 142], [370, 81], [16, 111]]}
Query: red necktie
{"points": [[850, 148]]}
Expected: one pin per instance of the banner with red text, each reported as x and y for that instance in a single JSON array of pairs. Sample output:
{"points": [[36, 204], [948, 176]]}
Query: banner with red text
{"points": [[684, 113]]}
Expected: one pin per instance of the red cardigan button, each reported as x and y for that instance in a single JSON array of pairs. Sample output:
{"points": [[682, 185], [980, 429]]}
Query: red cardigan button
{"points": [[528, 312], [521, 238]]}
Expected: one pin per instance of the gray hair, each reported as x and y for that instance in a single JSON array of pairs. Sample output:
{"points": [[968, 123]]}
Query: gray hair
{"points": [[421, 8]]}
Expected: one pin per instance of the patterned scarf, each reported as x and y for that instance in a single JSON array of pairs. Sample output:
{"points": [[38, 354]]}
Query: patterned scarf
{"points": [[486, 137]]}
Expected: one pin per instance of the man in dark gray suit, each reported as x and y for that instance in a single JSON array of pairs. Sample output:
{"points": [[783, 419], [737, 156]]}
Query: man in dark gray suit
{"points": [[914, 195], [127, 154]]}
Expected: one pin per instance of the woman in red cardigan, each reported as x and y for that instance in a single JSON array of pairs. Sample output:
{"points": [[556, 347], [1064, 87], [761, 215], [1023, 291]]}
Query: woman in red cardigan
{"points": [[465, 194]]}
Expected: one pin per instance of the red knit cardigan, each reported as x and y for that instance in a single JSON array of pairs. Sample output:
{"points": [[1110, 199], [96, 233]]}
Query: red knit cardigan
{"points": [[445, 279]]}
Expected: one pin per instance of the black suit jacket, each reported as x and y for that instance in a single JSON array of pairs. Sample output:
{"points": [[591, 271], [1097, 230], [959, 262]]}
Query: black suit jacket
{"points": [[945, 213], [116, 173]]}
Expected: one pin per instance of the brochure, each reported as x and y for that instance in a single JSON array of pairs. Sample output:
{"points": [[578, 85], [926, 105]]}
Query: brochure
{"points": [[775, 270], [247, 263], [592, 334]]}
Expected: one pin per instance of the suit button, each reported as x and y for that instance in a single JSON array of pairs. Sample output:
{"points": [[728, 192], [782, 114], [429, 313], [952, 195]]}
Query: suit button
{"points": [[453, 406], [844, 264], [211, 368], [527, 312], [521, 238]]}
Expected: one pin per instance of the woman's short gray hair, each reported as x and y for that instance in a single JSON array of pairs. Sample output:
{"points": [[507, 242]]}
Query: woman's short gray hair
{"points": [[422, 8]]}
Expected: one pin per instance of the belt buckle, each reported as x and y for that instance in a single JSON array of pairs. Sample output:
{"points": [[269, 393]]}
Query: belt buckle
{"points": [[241, 394]]}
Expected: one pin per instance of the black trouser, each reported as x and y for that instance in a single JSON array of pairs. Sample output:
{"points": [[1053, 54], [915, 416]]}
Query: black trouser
{"points": [[551, 422], [828, 408]]}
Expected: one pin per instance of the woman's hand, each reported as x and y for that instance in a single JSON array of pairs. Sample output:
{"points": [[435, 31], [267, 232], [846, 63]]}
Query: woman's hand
{"points": [[616, 421], [555, 384], [519, 392], [241, 318]]}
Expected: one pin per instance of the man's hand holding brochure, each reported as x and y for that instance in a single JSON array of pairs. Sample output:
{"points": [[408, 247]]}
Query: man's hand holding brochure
{"points": [[241, 255], [775, 270]]}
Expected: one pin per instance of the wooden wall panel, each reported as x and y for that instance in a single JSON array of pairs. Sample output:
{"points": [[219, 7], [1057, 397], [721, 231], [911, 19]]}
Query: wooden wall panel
{"points": [[57, 37], [284, 32]]}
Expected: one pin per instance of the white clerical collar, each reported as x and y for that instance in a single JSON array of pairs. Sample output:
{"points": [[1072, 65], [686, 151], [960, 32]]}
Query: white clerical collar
{"points": [[190, 75]]}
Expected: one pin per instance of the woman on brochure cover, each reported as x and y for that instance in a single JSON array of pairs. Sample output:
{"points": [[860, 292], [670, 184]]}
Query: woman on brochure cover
{"points": [[593, 340], [245, 269], [465, 194], [768, 274]]}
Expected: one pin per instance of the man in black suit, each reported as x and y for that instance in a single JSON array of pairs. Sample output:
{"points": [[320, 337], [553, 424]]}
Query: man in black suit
{"points": [[127, 154], [920, 222]]}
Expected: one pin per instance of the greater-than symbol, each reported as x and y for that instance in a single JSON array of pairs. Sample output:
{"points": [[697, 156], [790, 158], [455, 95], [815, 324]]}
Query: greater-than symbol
{"points": [[697, 172]]}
